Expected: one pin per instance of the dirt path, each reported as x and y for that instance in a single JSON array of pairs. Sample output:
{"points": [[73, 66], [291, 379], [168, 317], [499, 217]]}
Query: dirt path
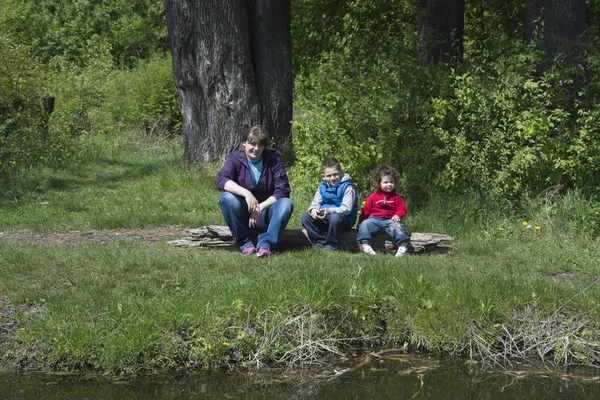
{"points": [[147, 235]]}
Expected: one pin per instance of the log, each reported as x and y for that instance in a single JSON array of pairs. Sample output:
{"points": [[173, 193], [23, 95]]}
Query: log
{"points": [[214, 236]]}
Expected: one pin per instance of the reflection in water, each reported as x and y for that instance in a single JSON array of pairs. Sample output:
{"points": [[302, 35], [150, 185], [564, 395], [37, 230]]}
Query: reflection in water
{"points": [[397, 378]]}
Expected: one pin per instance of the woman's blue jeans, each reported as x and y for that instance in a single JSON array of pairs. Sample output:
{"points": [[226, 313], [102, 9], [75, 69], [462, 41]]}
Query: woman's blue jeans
{"points": [[272, 221], [372, 225]]}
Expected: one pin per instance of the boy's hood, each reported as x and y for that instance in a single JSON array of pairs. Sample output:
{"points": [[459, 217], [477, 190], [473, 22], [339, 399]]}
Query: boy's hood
{"points": [[345, 178]]}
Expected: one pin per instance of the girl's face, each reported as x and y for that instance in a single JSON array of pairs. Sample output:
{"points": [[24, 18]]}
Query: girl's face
{"points": [[253, 150], [388, 184]]}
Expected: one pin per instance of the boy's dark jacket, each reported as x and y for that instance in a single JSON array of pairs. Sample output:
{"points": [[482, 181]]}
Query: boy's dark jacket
{"points": [[273, 179]]}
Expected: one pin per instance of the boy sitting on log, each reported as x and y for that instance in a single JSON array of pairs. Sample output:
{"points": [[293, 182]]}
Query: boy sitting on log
{"points": [[333, 209]]}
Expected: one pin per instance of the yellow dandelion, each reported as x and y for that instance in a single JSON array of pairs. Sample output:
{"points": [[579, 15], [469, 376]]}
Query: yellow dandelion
{"points": [[14, 163], [226, 344], [41, 157], [364, 202], [537, 227], [208, 347], [524, 223], [500, 229]]}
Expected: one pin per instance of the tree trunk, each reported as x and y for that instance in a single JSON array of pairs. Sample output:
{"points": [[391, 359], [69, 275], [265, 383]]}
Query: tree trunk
{"points": [[560, 22], [442, 28], [232, 67]]}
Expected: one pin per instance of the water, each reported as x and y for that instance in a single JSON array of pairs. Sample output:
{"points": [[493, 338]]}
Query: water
{"points": [[398, 378]]}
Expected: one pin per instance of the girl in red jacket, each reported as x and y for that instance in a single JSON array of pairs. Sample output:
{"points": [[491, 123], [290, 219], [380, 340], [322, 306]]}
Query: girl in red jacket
{"points": [[383, 212]]}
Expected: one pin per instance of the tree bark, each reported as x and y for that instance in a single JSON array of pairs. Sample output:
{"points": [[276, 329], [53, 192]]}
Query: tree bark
{"points": [[560, 22], [442, 29], [232, 67]]}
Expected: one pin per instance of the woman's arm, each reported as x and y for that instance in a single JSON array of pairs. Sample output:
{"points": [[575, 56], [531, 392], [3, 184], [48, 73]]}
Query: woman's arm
{"points": [[232, 187]]}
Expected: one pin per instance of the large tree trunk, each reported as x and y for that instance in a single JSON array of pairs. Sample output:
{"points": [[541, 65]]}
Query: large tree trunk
{"points": [[442, 29], [560, 22], [232, 66]]}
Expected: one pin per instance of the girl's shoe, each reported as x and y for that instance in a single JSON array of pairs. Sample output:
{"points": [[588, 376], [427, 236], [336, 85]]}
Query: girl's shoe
{"points": [[366, 248], [401, 250]]}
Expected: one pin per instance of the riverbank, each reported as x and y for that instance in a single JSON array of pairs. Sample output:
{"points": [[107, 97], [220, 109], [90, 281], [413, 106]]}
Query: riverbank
{"points": [[520, 284], [131, 307]]}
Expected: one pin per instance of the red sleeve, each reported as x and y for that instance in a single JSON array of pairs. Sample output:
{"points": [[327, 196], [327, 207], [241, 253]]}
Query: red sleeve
{"points": [[401, 210]]}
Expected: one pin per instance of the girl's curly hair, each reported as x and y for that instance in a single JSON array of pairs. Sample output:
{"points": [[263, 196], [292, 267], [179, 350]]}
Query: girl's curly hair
{"points": [[380, 172]]}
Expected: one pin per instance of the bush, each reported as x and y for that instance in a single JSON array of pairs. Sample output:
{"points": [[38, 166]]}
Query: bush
{"points": [[25, 137], [102, 100], [143, 99], [508, 126]]}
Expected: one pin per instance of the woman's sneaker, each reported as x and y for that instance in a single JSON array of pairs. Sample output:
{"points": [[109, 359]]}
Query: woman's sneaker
{"points": [[401, 250], [263, 252], [366, 248], [248, 249]]}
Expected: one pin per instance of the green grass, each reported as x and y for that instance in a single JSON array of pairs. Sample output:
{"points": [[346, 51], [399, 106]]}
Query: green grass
{"points": [[130, 307]]}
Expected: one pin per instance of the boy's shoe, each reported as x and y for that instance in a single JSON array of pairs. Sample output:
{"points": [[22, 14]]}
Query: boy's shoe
{"points": [[263, 252], [401, 250], [328, 247], [248, 249], [366, 248]]}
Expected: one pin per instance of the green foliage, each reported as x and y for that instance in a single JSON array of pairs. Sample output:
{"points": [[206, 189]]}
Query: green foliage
{"points": [[130, 30], [25, 137], [78, 91], [143, 98], [506, 128]]}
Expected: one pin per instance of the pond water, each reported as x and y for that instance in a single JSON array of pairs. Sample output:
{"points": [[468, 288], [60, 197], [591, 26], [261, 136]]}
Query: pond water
{"points": [[394, 378]]}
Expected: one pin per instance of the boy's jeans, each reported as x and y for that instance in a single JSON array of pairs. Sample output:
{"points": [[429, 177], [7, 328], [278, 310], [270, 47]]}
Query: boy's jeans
{"points": [[334, 224], [372, 225], [274, 220]]}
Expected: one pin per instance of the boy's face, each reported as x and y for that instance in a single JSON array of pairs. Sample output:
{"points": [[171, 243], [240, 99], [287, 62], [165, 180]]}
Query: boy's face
{"points": [[388, 183], [332, 175]]}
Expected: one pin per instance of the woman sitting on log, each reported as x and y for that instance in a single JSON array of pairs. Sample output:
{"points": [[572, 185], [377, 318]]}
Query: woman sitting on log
{"points": [[255, 194]]}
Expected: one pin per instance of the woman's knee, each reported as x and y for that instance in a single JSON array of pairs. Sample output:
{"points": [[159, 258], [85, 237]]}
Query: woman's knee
{"points": [[230, 201], [286, 205]]}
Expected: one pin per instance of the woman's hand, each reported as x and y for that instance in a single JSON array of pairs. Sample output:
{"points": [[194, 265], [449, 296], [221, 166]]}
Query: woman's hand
{"points": [[253, 205]]}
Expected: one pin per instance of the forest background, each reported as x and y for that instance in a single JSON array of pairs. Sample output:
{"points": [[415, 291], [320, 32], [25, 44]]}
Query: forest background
{"points": [[503, 118]]}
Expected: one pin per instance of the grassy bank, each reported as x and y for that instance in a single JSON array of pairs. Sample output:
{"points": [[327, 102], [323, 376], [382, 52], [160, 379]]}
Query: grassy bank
{"points": [[518, 285]]}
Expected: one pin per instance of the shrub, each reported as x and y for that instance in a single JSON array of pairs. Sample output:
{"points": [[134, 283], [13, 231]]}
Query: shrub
{"points": [[143, 98], [25, 137], [509, 126]]}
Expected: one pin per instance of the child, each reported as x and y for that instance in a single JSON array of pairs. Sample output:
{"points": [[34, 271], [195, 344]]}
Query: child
{"points": [[333, 209], [383, 211]]}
